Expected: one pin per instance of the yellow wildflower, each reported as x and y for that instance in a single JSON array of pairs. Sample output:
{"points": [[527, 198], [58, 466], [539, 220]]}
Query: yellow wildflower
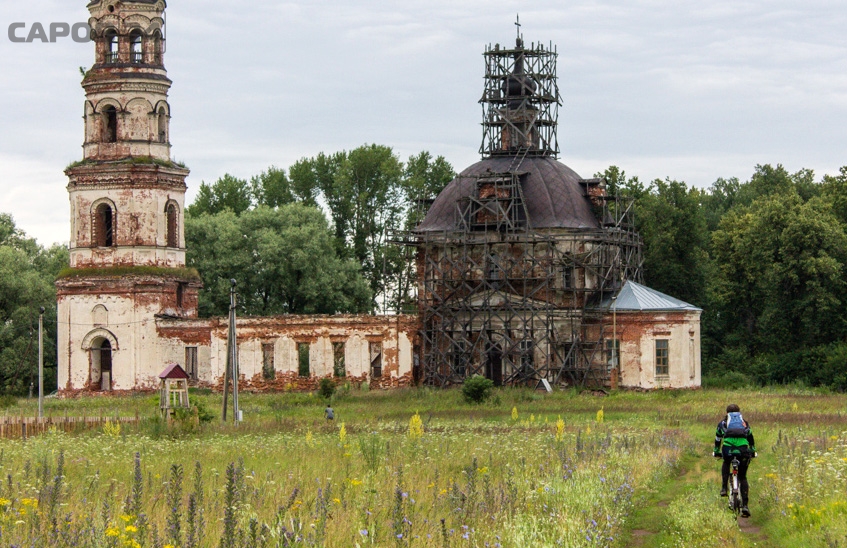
{"points": [[600, 416], [131, 529], [112, 531], [30, 502], [355, 482], [310, 440], [514, 413], [560, 429], [5, 502], [342, 434], [416, 429]]}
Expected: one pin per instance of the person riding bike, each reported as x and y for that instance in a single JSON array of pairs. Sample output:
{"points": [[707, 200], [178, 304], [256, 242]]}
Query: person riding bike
{"points": [[734, 439]]}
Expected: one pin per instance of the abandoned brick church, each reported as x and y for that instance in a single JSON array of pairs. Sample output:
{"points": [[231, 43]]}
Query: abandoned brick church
{"points": [[526, 272]]}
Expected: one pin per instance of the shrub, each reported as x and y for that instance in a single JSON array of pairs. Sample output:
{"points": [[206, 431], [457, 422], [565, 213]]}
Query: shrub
{"points": [[477, 389], [326, 388]]}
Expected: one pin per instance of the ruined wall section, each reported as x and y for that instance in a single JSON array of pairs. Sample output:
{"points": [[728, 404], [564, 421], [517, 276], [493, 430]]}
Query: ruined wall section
{"points": [[269, 350]]}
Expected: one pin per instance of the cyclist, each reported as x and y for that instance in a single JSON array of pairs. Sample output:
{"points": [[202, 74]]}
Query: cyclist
{"points": [[734, 439]]}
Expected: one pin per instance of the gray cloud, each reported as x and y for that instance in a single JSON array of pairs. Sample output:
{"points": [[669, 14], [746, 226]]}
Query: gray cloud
{"points": [[681, 89]]}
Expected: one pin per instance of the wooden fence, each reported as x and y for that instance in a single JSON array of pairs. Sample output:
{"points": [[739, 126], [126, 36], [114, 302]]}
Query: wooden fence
{"points": [[24, 427]]}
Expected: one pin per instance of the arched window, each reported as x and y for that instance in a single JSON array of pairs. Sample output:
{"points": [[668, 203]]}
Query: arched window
{"points": [[172, 233], [111, 47], [102, 226], [136, 52], [163, 125], [110, 124]]}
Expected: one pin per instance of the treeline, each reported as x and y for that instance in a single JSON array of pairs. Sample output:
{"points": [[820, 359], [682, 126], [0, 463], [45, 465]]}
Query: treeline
{"points": [[27, 273], [271, 233], [766, 260]]}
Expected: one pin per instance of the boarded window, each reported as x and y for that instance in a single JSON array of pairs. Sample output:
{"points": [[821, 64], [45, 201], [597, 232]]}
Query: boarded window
{"points": [[157, 48], [303, 359], [191, 362], [172, 238], [102, 226], [376, 359], [339, 367], [662, 369], [268, 370]]}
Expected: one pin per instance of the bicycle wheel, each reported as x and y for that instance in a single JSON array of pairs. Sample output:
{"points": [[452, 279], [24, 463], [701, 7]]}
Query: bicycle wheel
{"points": [[735, 498]]}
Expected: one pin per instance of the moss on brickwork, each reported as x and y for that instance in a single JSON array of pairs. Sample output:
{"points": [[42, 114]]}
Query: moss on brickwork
{"points": [[190, 274]]}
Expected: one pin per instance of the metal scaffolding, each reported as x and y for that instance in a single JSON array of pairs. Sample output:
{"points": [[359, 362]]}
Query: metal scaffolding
{"points": [[500, 293]]}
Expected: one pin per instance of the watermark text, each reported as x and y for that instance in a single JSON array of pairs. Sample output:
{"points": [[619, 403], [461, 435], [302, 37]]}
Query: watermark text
{"points": [[20, 34]]}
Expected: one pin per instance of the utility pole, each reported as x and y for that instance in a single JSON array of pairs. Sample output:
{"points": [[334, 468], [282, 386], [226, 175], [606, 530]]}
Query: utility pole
{"points": [[236, 412], [231, 361], [41, 363]]}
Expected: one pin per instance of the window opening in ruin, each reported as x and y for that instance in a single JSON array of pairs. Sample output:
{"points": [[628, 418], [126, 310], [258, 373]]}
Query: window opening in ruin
{"points": [[662, 367], [162, 125], [268, 370], [613, 347], [376, 359], [110, 125], [136, 53], [494, 365], [171, 213], [567, 277], [527, 355], [303, 358], [180, 295], [102, 358], [112, 47], [191, 362], [460, 358], [157, 48], [102, 226], [339, 368], [494, 273]]}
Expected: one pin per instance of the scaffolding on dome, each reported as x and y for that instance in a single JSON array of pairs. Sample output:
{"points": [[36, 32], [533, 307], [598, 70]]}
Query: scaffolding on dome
{"points": [[499, 296]]}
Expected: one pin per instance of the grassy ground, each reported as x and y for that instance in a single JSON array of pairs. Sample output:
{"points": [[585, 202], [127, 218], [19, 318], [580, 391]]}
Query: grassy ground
{"points": [[524, 469]]}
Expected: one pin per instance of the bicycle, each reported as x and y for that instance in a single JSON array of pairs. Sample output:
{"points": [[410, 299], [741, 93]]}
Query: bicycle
{"points": [[734, 491]]}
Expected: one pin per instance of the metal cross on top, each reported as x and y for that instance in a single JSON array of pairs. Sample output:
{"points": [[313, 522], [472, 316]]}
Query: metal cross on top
{"points": [[518, 24]]}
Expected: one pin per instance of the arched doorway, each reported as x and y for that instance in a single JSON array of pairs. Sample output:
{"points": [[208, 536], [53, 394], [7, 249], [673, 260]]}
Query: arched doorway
{"points": [[101, 345]]}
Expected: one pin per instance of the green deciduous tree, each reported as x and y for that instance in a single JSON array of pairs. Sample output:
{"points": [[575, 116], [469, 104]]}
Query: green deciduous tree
{"points": [[284, 260], [27, 272], [228, 192]]}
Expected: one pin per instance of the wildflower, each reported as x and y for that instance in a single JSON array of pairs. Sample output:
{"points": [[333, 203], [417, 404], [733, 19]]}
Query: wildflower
{"points": [[112, 531], [30, 502], [355, 482], [600, 416], [337, 500], [514, 413], [415, 427], [342, 434], [5, 502], [131, 529], [560, 429], [310, 440], [363, 532]]}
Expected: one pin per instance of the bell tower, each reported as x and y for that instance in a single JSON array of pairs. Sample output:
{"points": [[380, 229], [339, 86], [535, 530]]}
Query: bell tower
{"points": [[127, 196]]}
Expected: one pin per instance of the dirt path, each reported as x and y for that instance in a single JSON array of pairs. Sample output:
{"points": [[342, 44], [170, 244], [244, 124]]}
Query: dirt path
{"points": [[647, 523]]}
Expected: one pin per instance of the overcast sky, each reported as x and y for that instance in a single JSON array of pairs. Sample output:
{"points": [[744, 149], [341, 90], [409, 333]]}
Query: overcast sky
{"points": [[692, 90]]}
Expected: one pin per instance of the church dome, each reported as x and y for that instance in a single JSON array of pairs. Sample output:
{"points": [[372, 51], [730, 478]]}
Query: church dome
{"points": [[552, 192]]}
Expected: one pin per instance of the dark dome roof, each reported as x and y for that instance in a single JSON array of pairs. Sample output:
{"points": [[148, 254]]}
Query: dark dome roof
{"points": [[554, 197]]}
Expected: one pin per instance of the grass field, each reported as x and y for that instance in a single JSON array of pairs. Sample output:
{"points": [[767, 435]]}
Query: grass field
{"points": [[421, 467]]}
